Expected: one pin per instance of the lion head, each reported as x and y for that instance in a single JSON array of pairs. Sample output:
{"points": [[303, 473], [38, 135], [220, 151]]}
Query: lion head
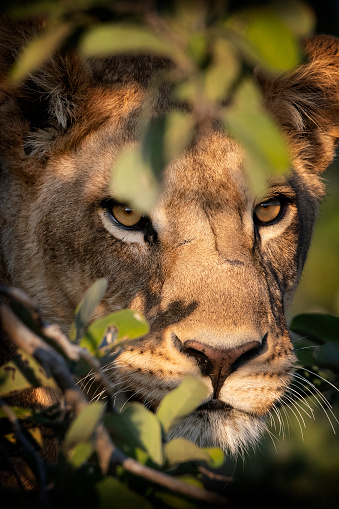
{"points": [[211, 267]]}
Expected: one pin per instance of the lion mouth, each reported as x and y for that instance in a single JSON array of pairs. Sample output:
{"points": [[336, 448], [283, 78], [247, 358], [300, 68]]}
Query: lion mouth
{"points": [[214, 404]]}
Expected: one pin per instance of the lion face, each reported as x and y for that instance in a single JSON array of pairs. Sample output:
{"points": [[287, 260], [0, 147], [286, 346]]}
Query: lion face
{"points": [[211, 267]]}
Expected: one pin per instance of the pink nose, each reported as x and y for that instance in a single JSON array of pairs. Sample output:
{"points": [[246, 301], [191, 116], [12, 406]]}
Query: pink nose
{"points": [[216, 363]]}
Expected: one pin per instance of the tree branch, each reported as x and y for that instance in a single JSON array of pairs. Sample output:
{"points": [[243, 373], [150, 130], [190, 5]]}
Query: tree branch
{"points": [[75, 353], [109, 455]]}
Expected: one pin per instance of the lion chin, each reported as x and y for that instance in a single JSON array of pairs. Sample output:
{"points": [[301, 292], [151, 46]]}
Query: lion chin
{"points": [[231, 430]]}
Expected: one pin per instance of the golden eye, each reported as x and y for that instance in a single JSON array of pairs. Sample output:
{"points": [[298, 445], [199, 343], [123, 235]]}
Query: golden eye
{"points": [[125, 215], [269, 211]]}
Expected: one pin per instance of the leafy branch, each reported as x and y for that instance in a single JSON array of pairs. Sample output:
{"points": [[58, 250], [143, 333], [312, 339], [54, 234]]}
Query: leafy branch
{"points": [[213, 54], [109, 455]]}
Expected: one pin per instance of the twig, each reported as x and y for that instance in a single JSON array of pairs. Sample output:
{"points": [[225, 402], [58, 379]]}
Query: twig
{"points": [[20, 296], [53, 331], [108, 454], [32, 344], [215, 477], [116, 457], [75, 353], [174, 484]]}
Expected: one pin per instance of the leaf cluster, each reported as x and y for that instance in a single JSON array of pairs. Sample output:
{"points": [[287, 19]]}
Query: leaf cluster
{"points": [[136, 432], [213, 50]]}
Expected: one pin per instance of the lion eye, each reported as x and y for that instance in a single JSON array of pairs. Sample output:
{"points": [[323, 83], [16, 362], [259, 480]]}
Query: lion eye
{"points": [[125, 215], [269, 211]]}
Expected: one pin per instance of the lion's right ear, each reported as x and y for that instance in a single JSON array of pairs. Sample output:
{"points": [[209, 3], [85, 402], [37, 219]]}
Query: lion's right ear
{"points": [[306, 103], [52, 94], [45, 105]]}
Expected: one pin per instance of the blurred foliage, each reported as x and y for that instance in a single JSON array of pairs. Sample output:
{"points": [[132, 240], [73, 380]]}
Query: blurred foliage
{"points": [[134, 430], [215, 50]]}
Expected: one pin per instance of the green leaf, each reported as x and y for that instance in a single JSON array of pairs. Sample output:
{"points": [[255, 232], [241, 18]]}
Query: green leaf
{"points": [[178, 134], [164, 139], [153, 145], [141, 456], [80, 453], [36, 435], [82, 428], [327, 356], [297, 16], [130, 324], [197, 47], [139, 428], [109, 38], [37, 51], [305, 352], [264, 38], [181, 401], [180, 450], [113, 494], [20, 413], [258, 133], [223, 71], [23, 372], [318, 327], [133, 180], [189, 479], [187, 90], [85, 309]]}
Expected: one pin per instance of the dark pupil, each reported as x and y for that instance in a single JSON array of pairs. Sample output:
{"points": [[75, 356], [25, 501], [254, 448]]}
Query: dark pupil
{"points": [[127, 210]]}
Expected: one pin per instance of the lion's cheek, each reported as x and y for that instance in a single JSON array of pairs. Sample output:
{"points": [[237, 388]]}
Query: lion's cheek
{"points": [[255, 394]]}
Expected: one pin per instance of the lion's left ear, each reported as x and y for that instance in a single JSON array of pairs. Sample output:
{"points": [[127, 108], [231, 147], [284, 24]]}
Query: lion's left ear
{"points": [[306, 102], [323, 55]]}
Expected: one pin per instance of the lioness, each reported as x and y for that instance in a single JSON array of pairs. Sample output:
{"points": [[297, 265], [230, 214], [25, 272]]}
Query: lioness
{"points": [[211, 269]]}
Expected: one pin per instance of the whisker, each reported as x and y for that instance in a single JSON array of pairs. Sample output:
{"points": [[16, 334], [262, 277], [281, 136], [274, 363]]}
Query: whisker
{"points": [[288, 420], [321, 378], [272, 437], [290, 398], [272, 420], [312, 386], [276, 410], [327, 403], [300, 387], [295, 340], [306, 347], [134, 394], [300, 398], [297, 419], [145, 401], [293, 403]]}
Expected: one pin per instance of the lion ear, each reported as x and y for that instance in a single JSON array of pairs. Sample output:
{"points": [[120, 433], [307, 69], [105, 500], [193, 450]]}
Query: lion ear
{"points": [[323, 55], [45, 105], [306, 102], [52, 94]]}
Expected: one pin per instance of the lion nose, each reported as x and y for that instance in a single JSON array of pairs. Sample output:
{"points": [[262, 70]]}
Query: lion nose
{"points": [[219, 363]]}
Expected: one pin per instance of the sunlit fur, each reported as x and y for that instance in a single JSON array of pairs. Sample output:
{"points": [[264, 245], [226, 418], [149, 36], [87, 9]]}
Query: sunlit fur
{"points": [[208, 274]]}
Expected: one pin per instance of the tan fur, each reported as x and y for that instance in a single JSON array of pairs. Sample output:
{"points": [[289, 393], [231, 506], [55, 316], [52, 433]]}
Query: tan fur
{"points": [[209, 276]]}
